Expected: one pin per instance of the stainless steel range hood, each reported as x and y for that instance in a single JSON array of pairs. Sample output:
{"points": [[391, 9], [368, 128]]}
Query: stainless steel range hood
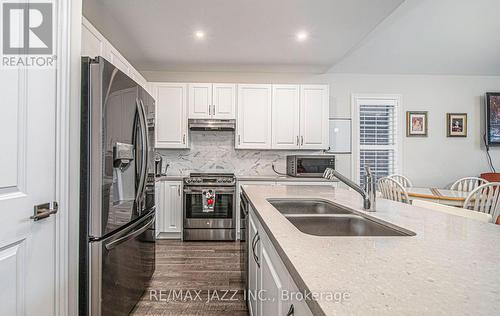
{"points": [[211, 125]]}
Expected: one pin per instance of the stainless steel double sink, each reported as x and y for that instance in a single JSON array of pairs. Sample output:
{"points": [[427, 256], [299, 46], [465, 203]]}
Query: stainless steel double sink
{"points": [[322, 218]]}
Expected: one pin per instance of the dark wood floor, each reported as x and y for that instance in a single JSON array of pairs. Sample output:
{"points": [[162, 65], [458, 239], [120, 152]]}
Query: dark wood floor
{"points": [[188, 273]]}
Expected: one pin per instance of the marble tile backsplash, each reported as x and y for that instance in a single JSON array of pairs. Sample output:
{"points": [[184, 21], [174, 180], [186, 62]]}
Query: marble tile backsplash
{"points": [[214, 152]]}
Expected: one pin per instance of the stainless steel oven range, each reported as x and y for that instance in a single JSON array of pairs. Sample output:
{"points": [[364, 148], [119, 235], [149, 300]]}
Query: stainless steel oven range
{"points": [[209, 210]]}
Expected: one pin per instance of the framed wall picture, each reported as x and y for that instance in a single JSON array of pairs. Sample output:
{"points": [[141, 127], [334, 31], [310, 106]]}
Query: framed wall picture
{"points": [[493, 118], [456, 124], [416, 124]]}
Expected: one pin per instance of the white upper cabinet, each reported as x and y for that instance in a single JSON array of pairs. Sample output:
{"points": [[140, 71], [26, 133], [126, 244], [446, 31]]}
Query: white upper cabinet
{"points": [[224, 101], [286, 117], [216, 101], [300, 117], [314, 109], [200, 100], [253, 128], [171, 115], [95, 44]]}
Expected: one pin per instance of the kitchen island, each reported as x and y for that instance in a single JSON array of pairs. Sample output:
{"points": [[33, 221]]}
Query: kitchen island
{"points": [[450, 266]]}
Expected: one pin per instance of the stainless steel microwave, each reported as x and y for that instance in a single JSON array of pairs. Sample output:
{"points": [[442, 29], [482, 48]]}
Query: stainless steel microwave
{"points": [[308, 166]]}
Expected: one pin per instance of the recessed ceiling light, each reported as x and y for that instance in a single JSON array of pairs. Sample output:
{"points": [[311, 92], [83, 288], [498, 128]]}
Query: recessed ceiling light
{"points": [[302, 36], [199, 34]]}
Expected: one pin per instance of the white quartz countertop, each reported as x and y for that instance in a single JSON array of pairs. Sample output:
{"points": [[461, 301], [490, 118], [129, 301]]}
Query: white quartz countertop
{"points": [[451, 266], [249, 178], [279, 178]]}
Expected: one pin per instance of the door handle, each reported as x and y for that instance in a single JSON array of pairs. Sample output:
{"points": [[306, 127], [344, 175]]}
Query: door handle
{"points": [[42, 211], [142, 178], [291, 311], [297, 140], [129, 236], [179, 190], [301, 140]]}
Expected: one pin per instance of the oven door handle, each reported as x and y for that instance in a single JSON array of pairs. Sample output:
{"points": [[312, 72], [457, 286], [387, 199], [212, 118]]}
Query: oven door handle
{"points": [[216, 189]]}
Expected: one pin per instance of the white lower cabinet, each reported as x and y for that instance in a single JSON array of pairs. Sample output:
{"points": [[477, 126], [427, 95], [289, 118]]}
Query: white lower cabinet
{"points": [[168, 209], [272, 290]]}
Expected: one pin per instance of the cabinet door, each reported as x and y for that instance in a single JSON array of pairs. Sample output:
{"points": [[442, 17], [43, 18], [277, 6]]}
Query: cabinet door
{"points": [[172, 220], [285, 118], [200, 100], [171, 115], [253, 130], [271, 286], [253, 269], [314, 109], [224, 101]]}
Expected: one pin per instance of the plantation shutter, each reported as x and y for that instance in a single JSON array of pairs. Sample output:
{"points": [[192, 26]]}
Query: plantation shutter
{"points": [[378, 137]]}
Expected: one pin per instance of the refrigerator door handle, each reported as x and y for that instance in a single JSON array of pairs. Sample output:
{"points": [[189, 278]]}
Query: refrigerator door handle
{"points": [[129, 236], [146, 145], [142, 179]]}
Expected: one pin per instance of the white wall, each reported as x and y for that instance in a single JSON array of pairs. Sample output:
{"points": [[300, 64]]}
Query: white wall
{"points": [[435, 160]]}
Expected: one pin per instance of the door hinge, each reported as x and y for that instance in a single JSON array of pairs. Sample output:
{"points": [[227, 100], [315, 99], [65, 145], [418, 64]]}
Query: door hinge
{"points": [[44, 210]]}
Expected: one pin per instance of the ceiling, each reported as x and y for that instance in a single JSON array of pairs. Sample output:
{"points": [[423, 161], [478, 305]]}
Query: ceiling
{"points": [[240, 35], [450, 37]]}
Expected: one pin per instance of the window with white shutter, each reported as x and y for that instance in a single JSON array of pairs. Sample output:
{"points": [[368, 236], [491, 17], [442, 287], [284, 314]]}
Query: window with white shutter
{"points": [[377, 136]]}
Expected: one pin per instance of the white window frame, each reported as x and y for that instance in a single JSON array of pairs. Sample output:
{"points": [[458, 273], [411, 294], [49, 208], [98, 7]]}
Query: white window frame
{"points": [[358, 99]]}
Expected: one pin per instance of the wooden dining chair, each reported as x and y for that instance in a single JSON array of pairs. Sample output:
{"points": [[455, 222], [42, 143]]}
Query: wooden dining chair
{"points": [[484, 199], [392, 190], [468, 184], [482, 217], [404, 181]]}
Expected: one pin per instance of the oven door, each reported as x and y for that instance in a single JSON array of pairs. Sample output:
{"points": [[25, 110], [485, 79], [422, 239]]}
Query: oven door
{"points": [[221, 215]]}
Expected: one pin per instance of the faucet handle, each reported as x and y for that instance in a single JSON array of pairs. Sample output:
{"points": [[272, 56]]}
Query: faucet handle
{"points": [[368, 171]]}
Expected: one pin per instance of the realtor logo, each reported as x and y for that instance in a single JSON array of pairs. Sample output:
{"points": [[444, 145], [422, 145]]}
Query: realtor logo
{"points": [[27, 29]]}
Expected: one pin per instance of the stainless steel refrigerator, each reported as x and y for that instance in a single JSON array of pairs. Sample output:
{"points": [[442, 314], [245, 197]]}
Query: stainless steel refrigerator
{"points": [[117, 211]]}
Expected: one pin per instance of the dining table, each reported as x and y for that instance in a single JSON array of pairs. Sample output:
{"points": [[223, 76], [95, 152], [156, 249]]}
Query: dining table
{"points": [[437, 195]]}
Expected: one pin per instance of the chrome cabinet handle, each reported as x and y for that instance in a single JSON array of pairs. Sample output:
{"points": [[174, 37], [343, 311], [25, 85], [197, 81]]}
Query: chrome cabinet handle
{"points": [[239, 139], [297, 140], [253, 247], [42, 211], [301, 140], [179, 190], [291, 311], [184, 138], [255, 257]]}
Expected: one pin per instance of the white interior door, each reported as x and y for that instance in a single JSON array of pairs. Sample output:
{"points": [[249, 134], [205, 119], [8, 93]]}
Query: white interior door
{"points": [[27, 178], [286, 119]]}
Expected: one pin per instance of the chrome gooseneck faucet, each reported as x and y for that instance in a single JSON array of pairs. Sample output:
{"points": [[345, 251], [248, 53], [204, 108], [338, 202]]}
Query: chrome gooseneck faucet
{"points": [[368, 192]]}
